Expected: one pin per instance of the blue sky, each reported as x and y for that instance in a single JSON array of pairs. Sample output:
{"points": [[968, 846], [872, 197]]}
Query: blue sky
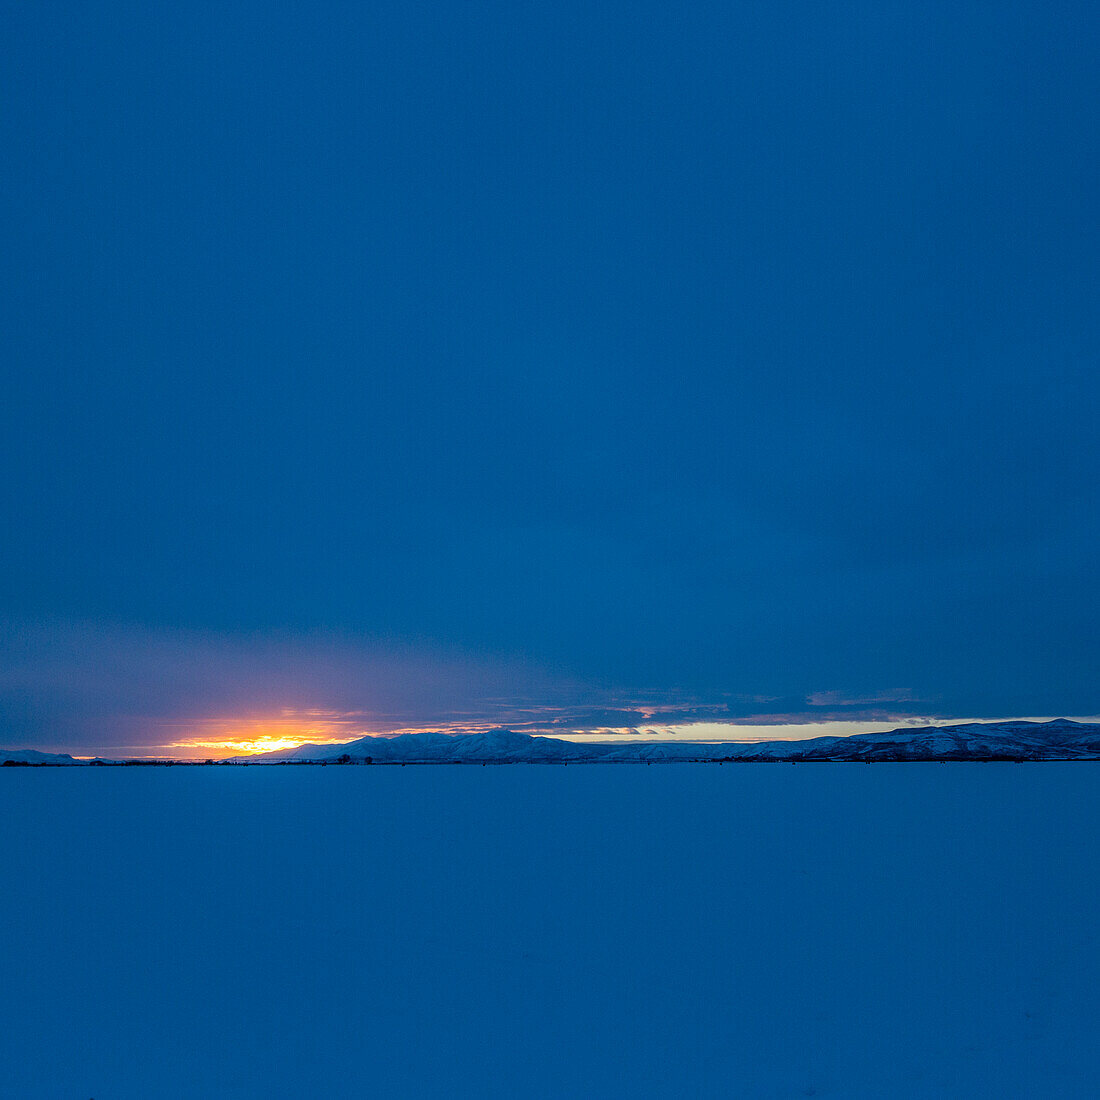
{"points": [[422, 364]]}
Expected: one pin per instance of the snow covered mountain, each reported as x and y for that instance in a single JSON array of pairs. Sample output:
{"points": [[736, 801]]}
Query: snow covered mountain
{"points": [[1061, 739], [32, 756], [1057, 740], [496, 747]]}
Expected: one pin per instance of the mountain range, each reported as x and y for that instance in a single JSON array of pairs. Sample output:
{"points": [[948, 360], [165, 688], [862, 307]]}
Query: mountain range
{"points": [[1060, 739]]}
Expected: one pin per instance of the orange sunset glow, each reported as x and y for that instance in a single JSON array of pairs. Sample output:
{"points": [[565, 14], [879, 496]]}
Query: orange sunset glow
{"points": [[218, 738]]}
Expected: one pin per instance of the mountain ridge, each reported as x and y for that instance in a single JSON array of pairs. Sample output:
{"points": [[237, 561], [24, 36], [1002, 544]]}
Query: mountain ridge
{"points": [[1017, 739], [1059, 739], [37, 759]]}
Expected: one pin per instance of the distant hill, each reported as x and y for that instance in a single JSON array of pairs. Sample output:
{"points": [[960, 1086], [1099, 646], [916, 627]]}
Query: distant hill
{"points": [[1057, 740], [32, 756]]}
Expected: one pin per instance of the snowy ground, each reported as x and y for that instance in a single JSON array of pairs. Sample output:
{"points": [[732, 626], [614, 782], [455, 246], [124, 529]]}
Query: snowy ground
{"points": [[619, 931]]}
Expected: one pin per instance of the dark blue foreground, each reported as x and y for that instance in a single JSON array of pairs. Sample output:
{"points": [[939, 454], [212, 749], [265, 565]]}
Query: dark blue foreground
{"points": [[912, 930]]}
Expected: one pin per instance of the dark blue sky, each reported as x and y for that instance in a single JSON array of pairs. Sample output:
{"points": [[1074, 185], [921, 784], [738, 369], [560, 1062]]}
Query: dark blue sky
{"points": [[731, 356]]}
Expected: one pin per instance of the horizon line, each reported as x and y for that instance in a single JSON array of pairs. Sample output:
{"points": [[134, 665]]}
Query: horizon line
{"points": [[686, 733]]}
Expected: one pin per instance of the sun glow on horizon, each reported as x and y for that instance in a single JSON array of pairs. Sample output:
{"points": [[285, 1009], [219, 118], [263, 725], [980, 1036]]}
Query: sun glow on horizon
{"points": [[266, 743], [245, 737]]}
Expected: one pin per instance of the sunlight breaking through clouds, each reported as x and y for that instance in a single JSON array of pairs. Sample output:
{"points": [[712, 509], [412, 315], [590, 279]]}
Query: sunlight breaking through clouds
{"points": [[233, 737]]}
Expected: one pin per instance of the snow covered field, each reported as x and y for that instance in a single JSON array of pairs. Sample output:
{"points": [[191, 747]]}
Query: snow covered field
{"points": [[619, 931]]}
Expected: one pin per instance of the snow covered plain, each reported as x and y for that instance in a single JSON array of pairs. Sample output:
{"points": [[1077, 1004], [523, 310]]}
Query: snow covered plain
{"points": [[676, 930]]}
